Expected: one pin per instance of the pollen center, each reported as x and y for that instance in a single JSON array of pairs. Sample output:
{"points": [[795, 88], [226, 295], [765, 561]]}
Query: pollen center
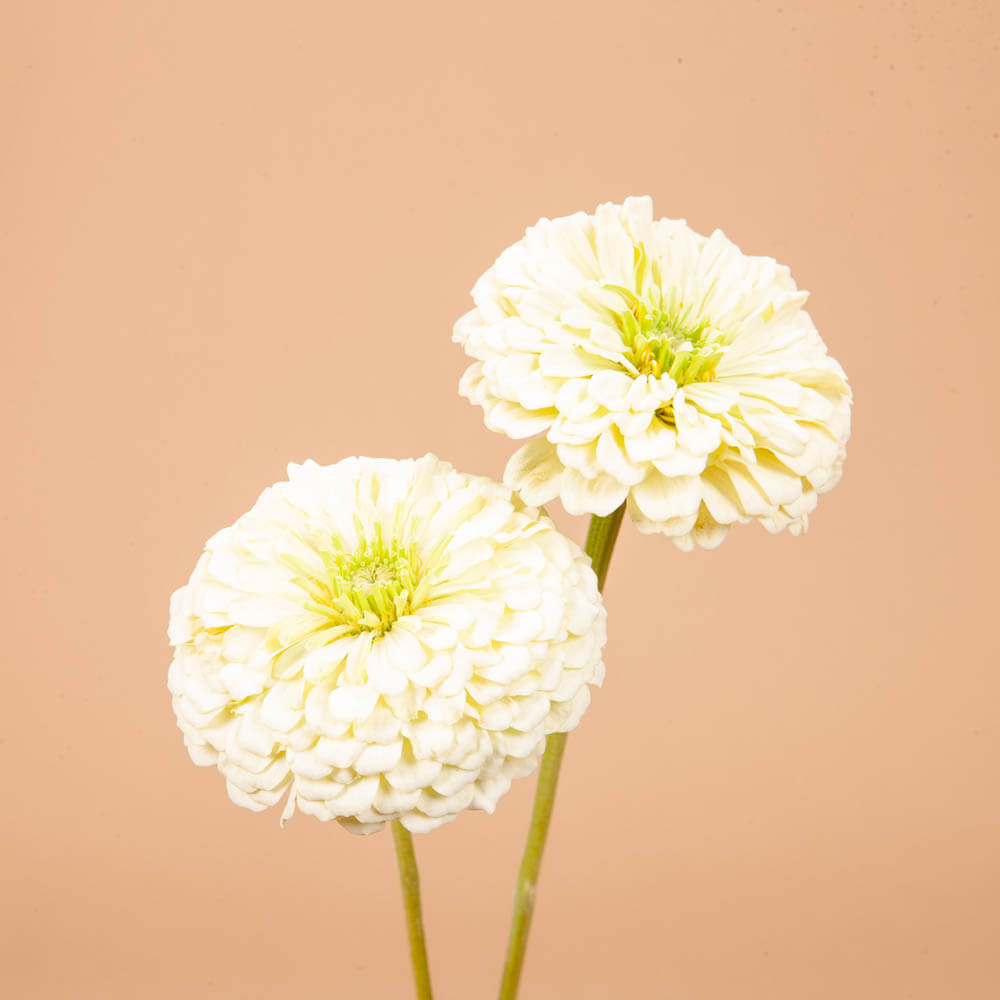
{"points": [[670, 343], [364, 588]]}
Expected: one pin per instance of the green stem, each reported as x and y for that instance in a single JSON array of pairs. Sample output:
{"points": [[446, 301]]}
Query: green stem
{"points": [[601, 537], [409, 879], [600, 543]]}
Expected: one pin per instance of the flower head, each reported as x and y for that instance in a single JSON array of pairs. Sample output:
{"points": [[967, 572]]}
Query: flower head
{"points": [[663, 368], [383, 640]]}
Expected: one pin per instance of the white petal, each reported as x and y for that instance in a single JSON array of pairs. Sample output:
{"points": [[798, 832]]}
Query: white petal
{"points": [[662, 497], [375, 759], [437, 669], [752, 498], [612, 456], [411, 774], [572, 362], [352, 701], [383, 672], [698, 434], [680, 462], [711, 397], [358, 795], [429, 739], [535, 471], [708, 534], [719, 497], [779, 484], [656, 441], [391, 801], [600, 495], [610, 389], [403, 649]]}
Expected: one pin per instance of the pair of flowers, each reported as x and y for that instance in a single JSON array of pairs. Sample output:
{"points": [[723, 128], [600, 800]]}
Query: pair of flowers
{"points": [[394, 640]]}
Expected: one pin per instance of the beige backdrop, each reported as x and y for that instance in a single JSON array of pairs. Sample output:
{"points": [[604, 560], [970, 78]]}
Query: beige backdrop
{"points": [[237, 234]]}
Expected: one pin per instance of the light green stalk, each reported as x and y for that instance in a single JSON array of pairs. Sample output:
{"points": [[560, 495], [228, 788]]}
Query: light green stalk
{"points": [[600, 543], [409, 879]]}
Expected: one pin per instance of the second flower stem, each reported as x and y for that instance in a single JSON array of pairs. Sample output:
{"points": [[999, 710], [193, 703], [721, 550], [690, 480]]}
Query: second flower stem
{"points": [[409, 879], [601, 536]]}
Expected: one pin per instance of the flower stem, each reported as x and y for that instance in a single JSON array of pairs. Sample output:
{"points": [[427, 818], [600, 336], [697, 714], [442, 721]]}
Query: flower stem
{"points": [[601, 536], [409, 879]]}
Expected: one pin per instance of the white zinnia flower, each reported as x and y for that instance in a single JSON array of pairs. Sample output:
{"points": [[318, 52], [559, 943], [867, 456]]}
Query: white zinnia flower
{"points": [[383, 640], [664, 368]]}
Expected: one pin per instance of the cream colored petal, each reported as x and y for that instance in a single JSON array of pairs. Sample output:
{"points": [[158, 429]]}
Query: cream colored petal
{"points": [[610, 389], [680, 462], [720, 500], [352, 701], [751, 497], [707, 532], [657, 441], [358, 795], [572, 362], [535, 471], [384, 674], [662, 497], [712, 397], [516, 422], [779, 484], [600, 495], [613, 458], [375, 759]]}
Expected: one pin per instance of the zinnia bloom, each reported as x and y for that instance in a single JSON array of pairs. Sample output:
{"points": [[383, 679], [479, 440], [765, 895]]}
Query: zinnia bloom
{"points": [[383, 640], [663, 368]]}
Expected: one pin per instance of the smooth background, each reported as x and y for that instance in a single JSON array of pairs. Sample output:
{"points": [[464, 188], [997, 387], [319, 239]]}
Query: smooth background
{"points": [[238, 234]]}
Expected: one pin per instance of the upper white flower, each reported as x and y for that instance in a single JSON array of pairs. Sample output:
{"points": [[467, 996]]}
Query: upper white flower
{"points": [[663, 367], [385, 640]]}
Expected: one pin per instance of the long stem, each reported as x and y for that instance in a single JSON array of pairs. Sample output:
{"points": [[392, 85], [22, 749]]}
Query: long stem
{"points": [[409, 879], [600, 543]]}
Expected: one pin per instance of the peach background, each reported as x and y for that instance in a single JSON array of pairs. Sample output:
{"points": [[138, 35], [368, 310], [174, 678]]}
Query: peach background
{"points": [[237, 234]]}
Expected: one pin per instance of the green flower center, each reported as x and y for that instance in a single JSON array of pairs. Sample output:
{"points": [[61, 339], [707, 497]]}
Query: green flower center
{"points": [[365, 589], [661, 334], [670, 342]]}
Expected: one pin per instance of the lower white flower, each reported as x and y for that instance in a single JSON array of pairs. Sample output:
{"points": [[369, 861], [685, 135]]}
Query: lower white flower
{"points": [[383, 640]]}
